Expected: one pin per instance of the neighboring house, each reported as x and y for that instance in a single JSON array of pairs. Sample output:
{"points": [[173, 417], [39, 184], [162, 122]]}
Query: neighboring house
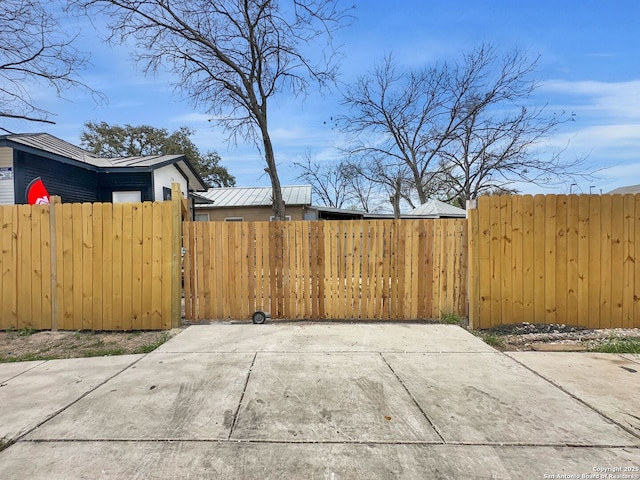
{"points": [[77, 175], [625, 190], [252, 204]]}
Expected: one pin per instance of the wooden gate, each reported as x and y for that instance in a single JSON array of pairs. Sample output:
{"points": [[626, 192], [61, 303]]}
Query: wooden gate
{"points": [[380, 269]]}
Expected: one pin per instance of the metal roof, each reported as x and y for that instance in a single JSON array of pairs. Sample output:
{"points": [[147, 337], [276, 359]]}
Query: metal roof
{"points": [[257, 196], [436, 208], [48, 143], [51, 144]]}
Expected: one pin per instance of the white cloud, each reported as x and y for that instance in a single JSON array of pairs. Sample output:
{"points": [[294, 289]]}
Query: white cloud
{"points": [[607, 100]]}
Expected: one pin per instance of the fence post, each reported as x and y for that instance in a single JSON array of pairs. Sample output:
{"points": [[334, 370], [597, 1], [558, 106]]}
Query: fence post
{"points": [[177, 211], [474, 280]]}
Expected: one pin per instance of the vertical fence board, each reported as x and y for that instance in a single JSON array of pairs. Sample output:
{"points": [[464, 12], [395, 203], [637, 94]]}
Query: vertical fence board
{"points": [[561, 262], [616, 266], [23, 311], [550, 259], [516, 275], [605, 261], [127, 266], [528, 269], [117, 278], [87, 267], [167, 266], [628, 259], [505, 266], [35, 271], [572, 261], [137, 270]]}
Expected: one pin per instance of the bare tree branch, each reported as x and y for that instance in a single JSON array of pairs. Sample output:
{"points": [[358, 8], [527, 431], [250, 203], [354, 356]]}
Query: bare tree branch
{"points": [[454, 130], [34, 50]]}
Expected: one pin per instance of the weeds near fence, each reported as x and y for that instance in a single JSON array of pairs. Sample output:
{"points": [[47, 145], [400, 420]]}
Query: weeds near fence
{"points": [[619, 345], [492, 339], [150, 347], [451, 319]]}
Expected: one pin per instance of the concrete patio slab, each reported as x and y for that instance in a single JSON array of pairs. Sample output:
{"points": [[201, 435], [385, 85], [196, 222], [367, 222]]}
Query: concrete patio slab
{"points": [[326, 337], [490, 398], [607, 382], [328, 397], [10, 370], [229, 461], [43, 390], [169, 396], [363, 409]]}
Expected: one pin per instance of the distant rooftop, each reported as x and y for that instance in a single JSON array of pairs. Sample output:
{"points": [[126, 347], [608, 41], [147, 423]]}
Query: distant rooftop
{"points": [[436, 208], [628, 189], [257, 196]]}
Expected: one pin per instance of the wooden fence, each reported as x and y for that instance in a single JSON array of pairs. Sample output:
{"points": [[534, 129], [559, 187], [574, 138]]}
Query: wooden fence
{"points": [[568, 259], [539, 259], [90, 266], [407, 269]]}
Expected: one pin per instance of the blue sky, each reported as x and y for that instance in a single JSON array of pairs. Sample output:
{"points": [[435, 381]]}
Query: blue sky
{"points": [[589, 64]]}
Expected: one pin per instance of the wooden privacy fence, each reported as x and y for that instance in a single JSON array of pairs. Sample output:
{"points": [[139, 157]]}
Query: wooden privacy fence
{"points": [[407, 269], [93, 267], [569, 259]]}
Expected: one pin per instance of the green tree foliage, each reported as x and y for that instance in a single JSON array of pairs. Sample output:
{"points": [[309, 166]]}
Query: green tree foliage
{"points": [[127, 141]]}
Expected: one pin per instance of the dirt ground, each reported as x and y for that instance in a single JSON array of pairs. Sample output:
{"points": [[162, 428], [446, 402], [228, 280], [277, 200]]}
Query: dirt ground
{"points": [[553, 337], [23, 345]]}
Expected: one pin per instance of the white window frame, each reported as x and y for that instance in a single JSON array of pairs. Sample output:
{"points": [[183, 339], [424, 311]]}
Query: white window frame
{"points": [[204, 215], [287, 218]]}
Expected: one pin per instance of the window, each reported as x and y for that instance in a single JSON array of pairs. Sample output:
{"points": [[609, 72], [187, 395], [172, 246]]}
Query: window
{"points": [[126, 197], [166, 193], [202, 217], [286, 217], [234, 219]]}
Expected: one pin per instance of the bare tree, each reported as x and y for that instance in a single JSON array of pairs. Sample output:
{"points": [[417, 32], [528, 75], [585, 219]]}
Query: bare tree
{"points": [[34, 50], [457, 130], [391, 119], [329, 181], [231, 56]]}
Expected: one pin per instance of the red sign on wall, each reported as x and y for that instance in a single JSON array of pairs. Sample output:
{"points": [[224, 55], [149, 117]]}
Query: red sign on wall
{"points": [[37, 193]]}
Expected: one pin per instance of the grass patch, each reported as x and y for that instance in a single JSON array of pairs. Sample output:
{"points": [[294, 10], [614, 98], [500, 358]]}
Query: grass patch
{"points": [[618, 345], [103, 352], [26, 331], [451, 319], [492, 339], [151, 346], [27, 357]]}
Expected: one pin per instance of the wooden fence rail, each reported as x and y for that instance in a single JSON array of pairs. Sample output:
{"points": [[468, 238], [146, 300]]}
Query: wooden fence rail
{"points": [[104, 267], [568, 259], [407, 269]]}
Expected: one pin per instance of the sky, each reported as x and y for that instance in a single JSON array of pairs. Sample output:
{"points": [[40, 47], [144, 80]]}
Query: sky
{"points": [[589, 65]]}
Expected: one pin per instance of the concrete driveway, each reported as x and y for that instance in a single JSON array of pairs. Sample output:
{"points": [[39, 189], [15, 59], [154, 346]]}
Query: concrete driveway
{"points": [[323, 401]]}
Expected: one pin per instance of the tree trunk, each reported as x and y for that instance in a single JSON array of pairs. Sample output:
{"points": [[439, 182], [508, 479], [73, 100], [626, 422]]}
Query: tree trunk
{"points": [[278, 202]]}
